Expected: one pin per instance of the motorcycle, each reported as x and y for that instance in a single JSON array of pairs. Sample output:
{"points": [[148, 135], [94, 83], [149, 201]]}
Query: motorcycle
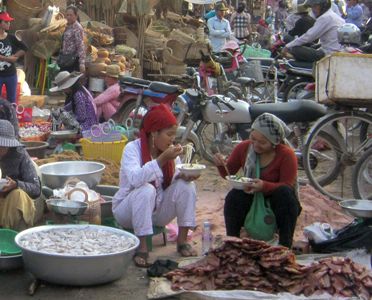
{"points": [[137, 93]]}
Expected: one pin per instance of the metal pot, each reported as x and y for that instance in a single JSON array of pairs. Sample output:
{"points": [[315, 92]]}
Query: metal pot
{"points": [[54, 175], [76, 270], [66, 207], [11, 262], [357, 208], [107, 192], [36, 149]]}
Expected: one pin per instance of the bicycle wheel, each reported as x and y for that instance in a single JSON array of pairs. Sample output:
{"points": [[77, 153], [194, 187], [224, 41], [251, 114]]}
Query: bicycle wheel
{"points": [[332, 149], [362, 177], [294, 89]]}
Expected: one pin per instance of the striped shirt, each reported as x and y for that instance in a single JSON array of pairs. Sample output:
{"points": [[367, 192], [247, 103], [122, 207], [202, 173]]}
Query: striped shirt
{"points": [[240, 23]]}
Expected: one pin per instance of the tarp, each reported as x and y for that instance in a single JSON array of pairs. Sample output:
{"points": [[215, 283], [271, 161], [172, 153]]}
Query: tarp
{"points": [[201, 1]]}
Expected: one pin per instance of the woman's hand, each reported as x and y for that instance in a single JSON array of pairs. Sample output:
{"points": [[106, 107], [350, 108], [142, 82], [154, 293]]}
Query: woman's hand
{"points": [[219, 160], [9, 186], [169, 154], [256, 185]]}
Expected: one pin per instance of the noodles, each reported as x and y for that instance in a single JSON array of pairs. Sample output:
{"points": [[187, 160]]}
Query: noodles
{"points": [[188, 153]]}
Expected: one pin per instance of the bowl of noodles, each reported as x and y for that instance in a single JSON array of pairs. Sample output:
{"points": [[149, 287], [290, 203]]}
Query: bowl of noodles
{"points": [[191, 169], [238, 182]]}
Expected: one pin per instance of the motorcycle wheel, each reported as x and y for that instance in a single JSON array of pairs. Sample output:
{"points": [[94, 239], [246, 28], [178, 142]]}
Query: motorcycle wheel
{"points": [[215, 137], [362, 177], [127, 111], [294, 88]]}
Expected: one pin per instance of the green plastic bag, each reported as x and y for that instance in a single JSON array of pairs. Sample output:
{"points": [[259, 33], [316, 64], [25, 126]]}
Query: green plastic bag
{"points": [[260, 222]]}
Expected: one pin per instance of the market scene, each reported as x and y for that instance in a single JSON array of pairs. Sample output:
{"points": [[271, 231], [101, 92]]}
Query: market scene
{"points": [[186, 149]]}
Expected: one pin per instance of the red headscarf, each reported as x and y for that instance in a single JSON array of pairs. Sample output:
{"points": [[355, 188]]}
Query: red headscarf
{"points": [[159, 117]]}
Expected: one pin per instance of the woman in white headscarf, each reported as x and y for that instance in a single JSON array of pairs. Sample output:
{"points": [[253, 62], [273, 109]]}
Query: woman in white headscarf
{"points": [[278, 179]]}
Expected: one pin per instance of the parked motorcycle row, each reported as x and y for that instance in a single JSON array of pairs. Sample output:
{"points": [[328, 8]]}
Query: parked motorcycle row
{"points": [[215, 111]]}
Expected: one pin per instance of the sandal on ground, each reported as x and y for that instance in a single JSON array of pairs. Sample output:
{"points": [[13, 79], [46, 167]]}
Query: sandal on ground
{"points": [[186, 250], [140, 259]]}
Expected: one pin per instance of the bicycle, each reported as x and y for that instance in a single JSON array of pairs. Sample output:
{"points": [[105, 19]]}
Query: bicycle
{"points": [[362, 176], [336, 143]]}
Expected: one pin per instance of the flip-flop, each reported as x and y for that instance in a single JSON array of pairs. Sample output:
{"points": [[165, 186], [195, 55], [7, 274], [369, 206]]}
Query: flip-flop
{"points": [[140, 259], [186, 247]]}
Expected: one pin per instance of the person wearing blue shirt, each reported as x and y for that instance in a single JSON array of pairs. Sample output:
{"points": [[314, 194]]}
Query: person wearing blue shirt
{"points": [[219, 28], [354, 13]]}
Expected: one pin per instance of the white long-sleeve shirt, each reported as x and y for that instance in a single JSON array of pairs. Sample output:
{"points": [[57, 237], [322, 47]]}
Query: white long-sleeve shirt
{"points": [[324, 29], [134, 175], [219, 32]]}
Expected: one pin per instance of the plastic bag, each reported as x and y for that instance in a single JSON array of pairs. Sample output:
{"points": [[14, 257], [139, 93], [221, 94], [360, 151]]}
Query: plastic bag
{"points": [[260, 222], [356, 235]]}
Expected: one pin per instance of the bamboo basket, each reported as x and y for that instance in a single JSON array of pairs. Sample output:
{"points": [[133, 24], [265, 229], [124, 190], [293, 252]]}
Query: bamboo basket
{"points": [[22, 11], [175, 69], [178, 49], [169, 58], [152, 65], [183, 38]]}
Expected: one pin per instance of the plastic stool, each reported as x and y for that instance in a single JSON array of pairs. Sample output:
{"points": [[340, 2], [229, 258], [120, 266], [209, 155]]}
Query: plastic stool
{"points": [[156, 230]]}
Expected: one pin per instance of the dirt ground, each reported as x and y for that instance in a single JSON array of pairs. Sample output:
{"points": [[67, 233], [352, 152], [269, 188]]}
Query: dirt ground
{"points": [[211, 192]]}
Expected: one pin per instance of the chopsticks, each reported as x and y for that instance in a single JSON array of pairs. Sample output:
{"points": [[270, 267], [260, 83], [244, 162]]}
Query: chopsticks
{"points": [[226, 169]]}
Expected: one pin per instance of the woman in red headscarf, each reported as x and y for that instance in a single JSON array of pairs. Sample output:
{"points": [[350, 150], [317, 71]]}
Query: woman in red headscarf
{"points": [[151, 191]]}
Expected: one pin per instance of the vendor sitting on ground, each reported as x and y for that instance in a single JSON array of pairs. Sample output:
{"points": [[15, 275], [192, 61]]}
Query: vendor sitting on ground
{"points": [[278, 165], [107, 102], [17, 208], [79, 101], [152, 192]]}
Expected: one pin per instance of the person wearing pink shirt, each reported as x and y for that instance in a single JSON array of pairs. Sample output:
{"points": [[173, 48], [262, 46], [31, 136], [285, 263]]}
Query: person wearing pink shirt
{"points": [[107, 102]]}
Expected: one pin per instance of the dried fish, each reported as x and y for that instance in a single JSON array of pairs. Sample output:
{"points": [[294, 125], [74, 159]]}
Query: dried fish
{"points": [[76, 242]]}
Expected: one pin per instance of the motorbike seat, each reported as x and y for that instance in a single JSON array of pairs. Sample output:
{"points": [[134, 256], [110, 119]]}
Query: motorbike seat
{"points": [[162, 87], [246, 81], [128, 80], [300, 64], [289, 112], [265, 61]]}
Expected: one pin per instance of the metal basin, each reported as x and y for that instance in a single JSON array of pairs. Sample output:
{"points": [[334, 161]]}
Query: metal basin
{"points": [[36, 149], [11, 262], [358, 208], [66, 207], [107, 192], [64, 134], [54, 175], [76, 270]]}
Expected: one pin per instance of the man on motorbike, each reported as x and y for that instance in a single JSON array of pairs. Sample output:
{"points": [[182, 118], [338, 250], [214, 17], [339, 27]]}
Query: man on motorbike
{"points": [[219, 28], [304, 22], [354, 13], [324, 29]]}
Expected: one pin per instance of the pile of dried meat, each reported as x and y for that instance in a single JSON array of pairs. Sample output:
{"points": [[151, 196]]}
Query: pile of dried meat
{"points": [[255, 265]]}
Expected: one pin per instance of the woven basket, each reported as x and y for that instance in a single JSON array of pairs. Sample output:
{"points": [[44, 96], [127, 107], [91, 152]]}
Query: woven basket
{"points": [[152, 65], [106, 150], [175, 69], [22, 10], [178, 49], [183, 38], [169, 58]]}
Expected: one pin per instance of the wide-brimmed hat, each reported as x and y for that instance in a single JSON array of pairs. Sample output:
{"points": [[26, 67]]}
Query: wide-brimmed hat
{"points": [[64, 80], [4, 16], [112, 71], [221, 6], [7, 135]]}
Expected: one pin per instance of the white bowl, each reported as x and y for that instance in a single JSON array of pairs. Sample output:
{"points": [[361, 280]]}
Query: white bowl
{"points": [[190, 169], [240, 184], [3, 183]]}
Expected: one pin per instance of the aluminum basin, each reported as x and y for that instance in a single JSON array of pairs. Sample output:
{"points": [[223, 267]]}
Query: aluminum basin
{"points": [[11, 262], [76, 270], [54, 175], [357, 208]]}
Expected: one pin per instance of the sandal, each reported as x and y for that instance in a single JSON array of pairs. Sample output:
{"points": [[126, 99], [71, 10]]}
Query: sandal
{"points": [[186, 250], [140, 259]]}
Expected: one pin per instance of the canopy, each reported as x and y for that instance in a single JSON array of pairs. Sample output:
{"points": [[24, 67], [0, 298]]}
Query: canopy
{"points": [[201, 1]]}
